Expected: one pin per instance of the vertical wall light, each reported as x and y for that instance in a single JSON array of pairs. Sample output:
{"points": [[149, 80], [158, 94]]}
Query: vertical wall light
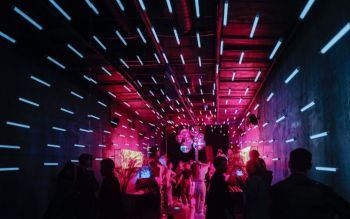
{"points": [[277, 46], [255, 23], [197, 8], [225, 13]]}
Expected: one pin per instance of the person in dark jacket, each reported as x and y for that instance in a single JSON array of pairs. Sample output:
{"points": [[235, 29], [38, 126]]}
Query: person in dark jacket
{"points": [[109, 198], [219, 204], [87, 186], [300, 197]]}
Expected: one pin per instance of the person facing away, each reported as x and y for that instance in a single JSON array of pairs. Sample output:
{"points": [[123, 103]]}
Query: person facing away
{"points": [[63, 203], [170, 180], [109, 198], [219, 204], [199, 172], [257, 165], [256, 193], [185, 182], [300, 197], [87, 186]]}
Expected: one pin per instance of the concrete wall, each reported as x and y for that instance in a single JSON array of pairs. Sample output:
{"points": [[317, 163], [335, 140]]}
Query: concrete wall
{"points": [[324, 78], [25, 193]]}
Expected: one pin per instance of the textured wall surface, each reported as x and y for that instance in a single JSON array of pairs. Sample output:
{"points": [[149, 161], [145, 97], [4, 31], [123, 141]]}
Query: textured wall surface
{"points": [[323, 78], [25, 192]]}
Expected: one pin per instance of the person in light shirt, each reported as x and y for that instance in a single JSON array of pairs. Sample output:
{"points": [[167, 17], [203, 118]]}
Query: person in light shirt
{"points": [[199, 172]]}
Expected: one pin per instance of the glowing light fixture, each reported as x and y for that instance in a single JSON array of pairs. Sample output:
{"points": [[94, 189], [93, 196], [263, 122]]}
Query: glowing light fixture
{"points": [[141, 35], [76, 95], [255, 23], [142, 5], [269, 97], [172, 78], [16, 124], [265, 124], [277, 46], [102, 104], [198, 40], [188, 91], [28, 102], [155, 55], [6, 169], [233, 75], [120, 4], [165, 58], [155, 34], [98, 41], [257, 76], [153, 79], [75, 50], [217, 69], [306, 9], [121, 37], [290, 140], [27, 18], [225, 13], [124, 63], [197, 8], [60, 9], [7, 37], [319, 135], [67, 111], [53, 145], [139, 59], [185, 78], [176, 36], [59, 129], [182, 59], [111, 94], [246, 91], [56, 62], [106, 71], [92, 6], [90, 79], [280, 119], [170, 8], [79, 145], [256, 106], [241, 58], [9, 147], [308, 106], [291, 76], [199, 61], [240, 100], [221, 47], [327, 169], [336, 38]]}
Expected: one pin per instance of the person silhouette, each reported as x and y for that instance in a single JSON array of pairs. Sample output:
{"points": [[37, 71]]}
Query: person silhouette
{"points": [[110, 197], [219, 204], [87, 186], [300, 197]]}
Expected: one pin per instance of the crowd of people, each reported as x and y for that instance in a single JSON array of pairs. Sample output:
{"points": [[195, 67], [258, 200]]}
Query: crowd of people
{"points": [[203, 187]]}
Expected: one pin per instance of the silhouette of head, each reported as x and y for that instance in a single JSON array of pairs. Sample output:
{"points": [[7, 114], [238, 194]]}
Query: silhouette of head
{"points": [[254, 155], [68, 171], [107, 167], [85, 160], [220, 164], [300, 160]]}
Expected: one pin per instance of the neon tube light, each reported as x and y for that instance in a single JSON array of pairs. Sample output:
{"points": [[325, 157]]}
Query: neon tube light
{"points": [[290, 140], [225, 13], [77, 95], [197, 8], [188, 91], [79, 145], [50, 164], [255, 23], [94, 117], [90, 79], [165, 58], [85, 130], [276, 158], [256, 106], [257, 76], [182, 59], [124, 63], [280, 119], [241, 58], [92, 6], [26, 17], [153, 79], [60, 9], [75, 50], [246, 91], [111, 94], [28, 102], [277, 46], [53, 145], [265, 124], [121, 37], [170, 8], [120, 4], [336, 38], [141, 35], [59, 129], [5, 169], [139, 59], [198, 40], [176, 36], [98, 41], [291, 76], [229, 91], [201, 91], [185, 78], [7, 37], [200, 82], [102, 104], [126, 88], [199, 61], [240, 100], [319, 135], [327, 169], [155, 34], [161, 90], [107, 132], [56, 62], [221, 47], [306, 9], [309, 105], [9, 147], [233, 75], [142, 5], [66, 111], [271, 141], [217, 69], [172, 78], [106, 71], [102, 145], [155, 55], [269, 97], [20, 125]]}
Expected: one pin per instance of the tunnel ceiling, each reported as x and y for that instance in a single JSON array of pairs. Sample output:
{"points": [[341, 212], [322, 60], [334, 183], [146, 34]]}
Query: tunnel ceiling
{"points": [[168, 61]]}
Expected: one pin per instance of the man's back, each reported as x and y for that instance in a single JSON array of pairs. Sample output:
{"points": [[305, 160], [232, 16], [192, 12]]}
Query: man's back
{"points": [[300, 197]]}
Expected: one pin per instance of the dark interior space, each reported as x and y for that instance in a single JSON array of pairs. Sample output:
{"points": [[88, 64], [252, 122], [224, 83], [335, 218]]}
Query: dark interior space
{"points": [[144, 83]]}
